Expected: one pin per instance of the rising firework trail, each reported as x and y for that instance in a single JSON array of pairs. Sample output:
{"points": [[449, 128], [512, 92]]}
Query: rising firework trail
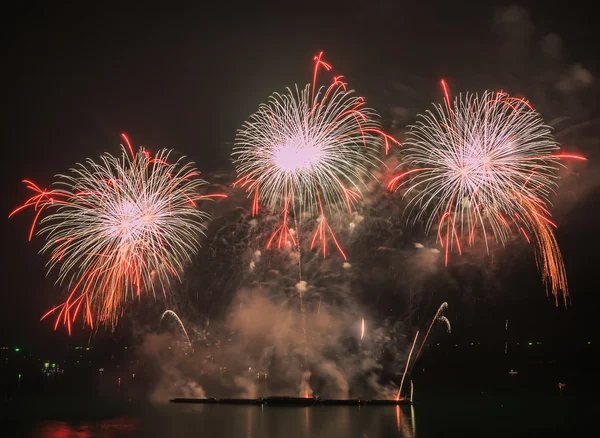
{"points": [[308, 150], [362, 329], [174, 315], [406, 367], [506, 337], [118, 228], [485, 164], [437, 317]]}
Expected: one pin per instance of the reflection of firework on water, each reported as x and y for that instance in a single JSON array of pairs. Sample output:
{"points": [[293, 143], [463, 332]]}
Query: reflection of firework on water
{"points": [[490, 163], [305, 150], [117, 228], [174, 315]]}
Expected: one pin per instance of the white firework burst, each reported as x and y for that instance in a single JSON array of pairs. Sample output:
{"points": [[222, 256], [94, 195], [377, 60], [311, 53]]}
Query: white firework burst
{"points": [[119, 227], [485, 163], [303, 151], [292, 147]]}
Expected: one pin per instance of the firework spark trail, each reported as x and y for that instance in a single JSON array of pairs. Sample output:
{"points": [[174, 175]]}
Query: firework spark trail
{"points": [[117, 228], [406, 367], [505, 337], [437, 317], [301, 289], [446, 321], [490, 163], [362, 329], [174, 315], [308, 151]]}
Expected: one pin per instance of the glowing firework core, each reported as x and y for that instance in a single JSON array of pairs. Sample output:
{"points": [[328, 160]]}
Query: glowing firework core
{"points": [[296, 157], [130, 220]]}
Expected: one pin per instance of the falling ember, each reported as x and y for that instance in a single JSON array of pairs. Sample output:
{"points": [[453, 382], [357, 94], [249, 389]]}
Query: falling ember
{"points": [[118, 228], [485, 166], [309, 150]]}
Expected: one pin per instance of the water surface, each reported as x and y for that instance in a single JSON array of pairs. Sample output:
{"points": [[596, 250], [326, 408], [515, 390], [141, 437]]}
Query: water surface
{"points": [[437, 416]]}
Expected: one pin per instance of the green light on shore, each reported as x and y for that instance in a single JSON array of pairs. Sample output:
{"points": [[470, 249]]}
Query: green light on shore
{"points": [[17, 349]]}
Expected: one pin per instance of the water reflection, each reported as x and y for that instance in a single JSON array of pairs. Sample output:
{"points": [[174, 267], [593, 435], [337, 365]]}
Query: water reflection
{"points": [[123, 426], [307, 421], [251, 413], [249, 421]]}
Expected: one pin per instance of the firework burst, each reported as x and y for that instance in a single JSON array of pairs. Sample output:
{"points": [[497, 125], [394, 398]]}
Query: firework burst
{"points": [[117, 228], [308, 150], [485, 163]]}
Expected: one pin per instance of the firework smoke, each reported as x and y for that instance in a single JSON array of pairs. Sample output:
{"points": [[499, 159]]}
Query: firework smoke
{"points": [[262, 334]]}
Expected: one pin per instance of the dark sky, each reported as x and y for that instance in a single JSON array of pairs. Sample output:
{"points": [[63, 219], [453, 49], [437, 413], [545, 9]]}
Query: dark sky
{"points": [[76, 77]]}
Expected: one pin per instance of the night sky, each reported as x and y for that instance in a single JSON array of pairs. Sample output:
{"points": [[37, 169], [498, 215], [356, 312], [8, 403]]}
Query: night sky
{"points": [[75, 78]]}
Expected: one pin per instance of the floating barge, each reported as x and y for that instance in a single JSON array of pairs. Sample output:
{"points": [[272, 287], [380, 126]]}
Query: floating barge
{"points": [[290, 401]]}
